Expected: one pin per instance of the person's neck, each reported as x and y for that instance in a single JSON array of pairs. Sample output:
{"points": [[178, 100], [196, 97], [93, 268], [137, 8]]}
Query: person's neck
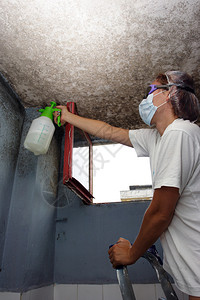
{"points": [[162, 125]]}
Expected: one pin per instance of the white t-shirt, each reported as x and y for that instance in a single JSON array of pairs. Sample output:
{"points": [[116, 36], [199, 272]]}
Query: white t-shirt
{"points": [[175, 162]]}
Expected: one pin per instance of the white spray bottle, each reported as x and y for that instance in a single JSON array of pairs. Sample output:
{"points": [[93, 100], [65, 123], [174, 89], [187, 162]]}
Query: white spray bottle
{"points": [[41, 131]]}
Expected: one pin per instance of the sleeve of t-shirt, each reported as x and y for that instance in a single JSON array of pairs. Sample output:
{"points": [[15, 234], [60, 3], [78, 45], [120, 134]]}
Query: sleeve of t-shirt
{"points": [[175, 161], [142, 139]]}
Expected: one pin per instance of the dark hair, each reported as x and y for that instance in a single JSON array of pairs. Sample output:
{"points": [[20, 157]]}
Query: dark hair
{"points": [[184, 102]]}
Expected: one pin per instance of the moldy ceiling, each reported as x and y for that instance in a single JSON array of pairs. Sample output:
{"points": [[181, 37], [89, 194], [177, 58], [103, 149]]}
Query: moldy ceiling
{"points": [[100, 54]]}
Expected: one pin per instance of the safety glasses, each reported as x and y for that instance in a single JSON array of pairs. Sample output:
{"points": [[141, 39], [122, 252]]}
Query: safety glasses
{"points": [[153, 87]]}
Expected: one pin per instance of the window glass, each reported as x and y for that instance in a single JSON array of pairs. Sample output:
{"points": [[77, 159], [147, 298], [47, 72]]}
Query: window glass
{"points": [[80, 166]]}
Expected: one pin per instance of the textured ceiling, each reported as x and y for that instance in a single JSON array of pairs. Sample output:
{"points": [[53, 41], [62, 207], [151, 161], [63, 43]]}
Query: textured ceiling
{"points": [[98, 53]]}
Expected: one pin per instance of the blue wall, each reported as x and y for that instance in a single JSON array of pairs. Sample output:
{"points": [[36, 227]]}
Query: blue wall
{"points": [[47, 234], [83, 235]]}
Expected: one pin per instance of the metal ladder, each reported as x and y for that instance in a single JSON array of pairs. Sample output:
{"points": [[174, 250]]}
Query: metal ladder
{"points": [[151, 255]]}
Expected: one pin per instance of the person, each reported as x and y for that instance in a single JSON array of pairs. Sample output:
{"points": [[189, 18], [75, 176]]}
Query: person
{"points": [[173, 145]]}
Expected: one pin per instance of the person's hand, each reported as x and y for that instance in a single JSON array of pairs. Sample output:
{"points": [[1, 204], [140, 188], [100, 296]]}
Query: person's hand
{"points": [[120, 253], [64, 114]]}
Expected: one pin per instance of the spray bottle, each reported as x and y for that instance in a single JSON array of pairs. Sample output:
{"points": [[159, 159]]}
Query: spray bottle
{"points": [[41, 131]]}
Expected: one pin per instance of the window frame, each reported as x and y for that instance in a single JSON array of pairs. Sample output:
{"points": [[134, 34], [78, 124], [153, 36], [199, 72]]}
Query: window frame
{"points": [[68, 179]]}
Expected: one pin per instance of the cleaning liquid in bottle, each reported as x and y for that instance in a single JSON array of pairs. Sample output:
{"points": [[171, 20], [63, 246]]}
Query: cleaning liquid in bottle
{"points": [[41, 131]]}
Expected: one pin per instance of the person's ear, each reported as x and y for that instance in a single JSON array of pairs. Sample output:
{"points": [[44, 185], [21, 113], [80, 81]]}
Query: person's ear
{"points": [[168, 96]]}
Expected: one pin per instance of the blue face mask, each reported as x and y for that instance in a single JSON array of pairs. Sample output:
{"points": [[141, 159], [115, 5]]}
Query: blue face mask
{"points": [[147, 109]]}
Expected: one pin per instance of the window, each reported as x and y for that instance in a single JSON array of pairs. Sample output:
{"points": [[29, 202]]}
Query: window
{"points": [[108, 171]]}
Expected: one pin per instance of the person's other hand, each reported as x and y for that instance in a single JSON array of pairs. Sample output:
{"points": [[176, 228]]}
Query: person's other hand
{"points": [[120, 253]]}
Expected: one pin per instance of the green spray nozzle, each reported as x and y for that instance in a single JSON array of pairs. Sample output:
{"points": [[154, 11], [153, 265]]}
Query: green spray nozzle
{"points": [[49, 110]]}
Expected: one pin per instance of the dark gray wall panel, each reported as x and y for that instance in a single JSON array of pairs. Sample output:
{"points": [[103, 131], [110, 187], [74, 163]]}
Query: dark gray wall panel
{"points": [[11, 120], [28, 256]]}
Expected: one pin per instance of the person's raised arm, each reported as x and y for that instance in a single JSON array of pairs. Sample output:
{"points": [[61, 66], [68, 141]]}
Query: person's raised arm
{"points": [[94, 127]]}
